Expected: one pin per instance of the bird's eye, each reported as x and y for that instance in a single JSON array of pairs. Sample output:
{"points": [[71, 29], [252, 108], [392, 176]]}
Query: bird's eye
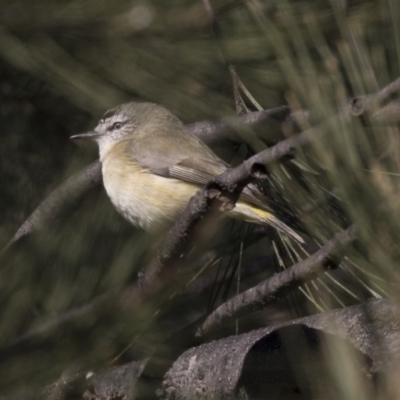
{"points": [[116, 125]]}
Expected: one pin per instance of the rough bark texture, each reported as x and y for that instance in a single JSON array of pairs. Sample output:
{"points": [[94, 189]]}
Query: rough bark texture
{"points": [[266, 363], [217, 370]]}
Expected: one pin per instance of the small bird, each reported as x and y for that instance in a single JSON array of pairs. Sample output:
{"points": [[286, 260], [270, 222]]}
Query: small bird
{"points": [[152, 166]]}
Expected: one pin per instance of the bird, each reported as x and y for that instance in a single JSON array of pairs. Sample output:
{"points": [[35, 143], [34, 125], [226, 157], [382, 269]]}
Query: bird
{"points": [[152, 166]]}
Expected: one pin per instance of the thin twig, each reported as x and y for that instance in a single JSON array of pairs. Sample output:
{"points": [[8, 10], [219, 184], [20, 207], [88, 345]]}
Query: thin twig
{"points": [[278, 285]]}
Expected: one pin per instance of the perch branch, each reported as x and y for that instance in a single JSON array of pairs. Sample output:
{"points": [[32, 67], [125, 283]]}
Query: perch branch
{"points": [[218, 132], [214, 133]]}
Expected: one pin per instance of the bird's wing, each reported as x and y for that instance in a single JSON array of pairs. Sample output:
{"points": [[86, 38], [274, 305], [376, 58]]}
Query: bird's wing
{"points": [[194, 163], [193, 170], [199, 172]]}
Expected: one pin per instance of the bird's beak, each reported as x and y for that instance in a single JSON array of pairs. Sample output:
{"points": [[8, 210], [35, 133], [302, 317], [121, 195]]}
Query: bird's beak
{"points": [[87, 135]]}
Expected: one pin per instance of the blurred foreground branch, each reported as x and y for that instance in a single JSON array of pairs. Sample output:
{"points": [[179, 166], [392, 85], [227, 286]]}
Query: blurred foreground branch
{"points": [[60, 200]]}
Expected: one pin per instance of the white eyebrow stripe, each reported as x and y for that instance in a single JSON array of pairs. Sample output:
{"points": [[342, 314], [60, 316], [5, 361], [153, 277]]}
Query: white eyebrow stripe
{"points": [[108, 122], [117, 118]]}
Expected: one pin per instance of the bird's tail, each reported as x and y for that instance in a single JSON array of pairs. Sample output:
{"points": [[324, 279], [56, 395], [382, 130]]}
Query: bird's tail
{"points": [[250, 213]]}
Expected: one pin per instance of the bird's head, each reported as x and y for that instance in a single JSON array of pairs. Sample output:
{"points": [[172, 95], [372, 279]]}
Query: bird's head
{"points": [[116, 123], [142, 122], [125, 119]]}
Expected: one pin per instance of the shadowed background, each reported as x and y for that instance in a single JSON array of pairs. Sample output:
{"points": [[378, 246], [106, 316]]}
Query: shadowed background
{"points": [[64, 63]]}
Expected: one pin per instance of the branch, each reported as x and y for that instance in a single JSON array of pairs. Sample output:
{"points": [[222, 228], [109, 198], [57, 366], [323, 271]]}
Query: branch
{"points": [[277, 358], [220, 194], [224, 131], [388, 91], [278, 285], [375, 103], [59, 200], [216, 133]]}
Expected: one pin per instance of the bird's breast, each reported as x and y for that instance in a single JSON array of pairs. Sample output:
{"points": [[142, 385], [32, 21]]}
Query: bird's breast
{"points": [[144, 199]]}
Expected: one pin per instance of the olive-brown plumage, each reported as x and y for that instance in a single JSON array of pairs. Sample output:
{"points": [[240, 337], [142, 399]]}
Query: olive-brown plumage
{"points": [[152, 166]]}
